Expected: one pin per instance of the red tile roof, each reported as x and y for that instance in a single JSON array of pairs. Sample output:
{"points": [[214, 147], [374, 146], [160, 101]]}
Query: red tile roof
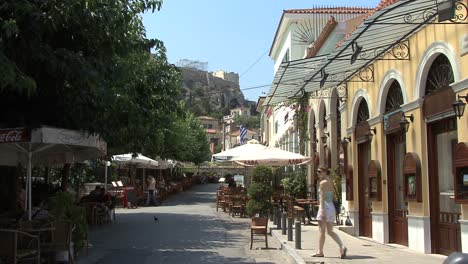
{"points": [[329, 27], [331, 10]]}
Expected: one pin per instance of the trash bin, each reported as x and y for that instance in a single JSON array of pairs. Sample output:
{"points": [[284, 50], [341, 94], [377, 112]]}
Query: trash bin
{"points": [[457, 258]]}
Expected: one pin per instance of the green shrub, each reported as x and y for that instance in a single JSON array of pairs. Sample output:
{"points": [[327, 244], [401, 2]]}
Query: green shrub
{"points": [[262, 174], [295, 184], [63, 208], [260, 191]]}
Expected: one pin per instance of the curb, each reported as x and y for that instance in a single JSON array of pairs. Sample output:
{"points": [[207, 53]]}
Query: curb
{"points": [[286, 247]]}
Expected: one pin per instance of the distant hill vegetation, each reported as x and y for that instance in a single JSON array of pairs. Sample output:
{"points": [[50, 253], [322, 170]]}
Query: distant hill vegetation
{"points": [[207, 95]]}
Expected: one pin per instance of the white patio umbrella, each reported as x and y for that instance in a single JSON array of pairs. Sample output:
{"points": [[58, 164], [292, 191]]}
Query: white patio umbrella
{"points": [[47, 145], [139, 160], [228, 155]]}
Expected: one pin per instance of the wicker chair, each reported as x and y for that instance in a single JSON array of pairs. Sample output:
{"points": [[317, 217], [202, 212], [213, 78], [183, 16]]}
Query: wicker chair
{"points": [[18, 246]]}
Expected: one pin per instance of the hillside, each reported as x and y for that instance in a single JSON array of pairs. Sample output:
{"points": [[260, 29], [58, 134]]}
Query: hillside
{"points": [[208, 95]]}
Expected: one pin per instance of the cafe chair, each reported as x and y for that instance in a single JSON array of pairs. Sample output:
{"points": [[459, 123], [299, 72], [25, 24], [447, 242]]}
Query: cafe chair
{"points": [[61, 240], [18, 246], [259, 228]]}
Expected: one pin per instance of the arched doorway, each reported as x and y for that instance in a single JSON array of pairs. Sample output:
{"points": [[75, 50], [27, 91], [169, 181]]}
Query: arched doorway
{"points": [[396, 149], [442, 139], [364, 157]]}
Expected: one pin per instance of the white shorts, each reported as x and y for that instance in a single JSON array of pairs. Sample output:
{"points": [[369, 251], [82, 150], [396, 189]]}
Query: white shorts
{"points": [[330, 213]]}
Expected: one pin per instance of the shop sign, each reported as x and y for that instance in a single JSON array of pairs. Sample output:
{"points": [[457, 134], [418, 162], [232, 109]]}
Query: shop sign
{"points": [[13, 135]]}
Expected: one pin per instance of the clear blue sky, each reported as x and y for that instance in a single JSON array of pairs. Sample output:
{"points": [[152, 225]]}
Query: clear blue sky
{"points": [[230, 35]]}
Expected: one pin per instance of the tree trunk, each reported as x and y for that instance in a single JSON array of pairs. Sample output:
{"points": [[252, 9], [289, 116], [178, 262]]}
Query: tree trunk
{"points": [[65, 176]]}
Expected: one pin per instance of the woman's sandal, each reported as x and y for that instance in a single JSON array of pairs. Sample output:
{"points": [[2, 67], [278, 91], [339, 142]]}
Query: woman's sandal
{"points": [[316, 255], [343, 255]]}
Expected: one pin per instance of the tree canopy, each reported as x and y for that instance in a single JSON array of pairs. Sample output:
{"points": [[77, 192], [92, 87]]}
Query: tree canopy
{"points": [[86, 65]]}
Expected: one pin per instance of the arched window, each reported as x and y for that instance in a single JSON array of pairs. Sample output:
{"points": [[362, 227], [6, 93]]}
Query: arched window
{"points": [[440, 74], [363, 112], [394, 97]]}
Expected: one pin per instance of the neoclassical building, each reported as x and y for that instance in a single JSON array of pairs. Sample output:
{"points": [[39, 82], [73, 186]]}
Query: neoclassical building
{"points": [[385, 112]]}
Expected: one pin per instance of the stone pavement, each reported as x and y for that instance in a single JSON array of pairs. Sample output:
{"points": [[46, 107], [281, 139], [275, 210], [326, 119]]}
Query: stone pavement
{"points": [[360, 250]]}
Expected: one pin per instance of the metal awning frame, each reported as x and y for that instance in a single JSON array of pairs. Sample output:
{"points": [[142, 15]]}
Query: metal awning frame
{"points": [[330, 71]]}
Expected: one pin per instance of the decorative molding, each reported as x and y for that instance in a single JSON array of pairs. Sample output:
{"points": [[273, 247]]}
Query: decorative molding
{"points": [[375, 120], [358, 96], [350, 130], [460, 86], [392, 75], [412, 105], [440, 116], [425, 63]]}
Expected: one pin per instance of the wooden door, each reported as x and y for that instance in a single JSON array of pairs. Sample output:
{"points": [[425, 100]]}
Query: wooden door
{"points": [[397, 207], [365, 205], [445, 213]]}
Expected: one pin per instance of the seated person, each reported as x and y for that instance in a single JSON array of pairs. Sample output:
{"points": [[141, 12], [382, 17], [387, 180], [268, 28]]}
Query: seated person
{"points": [[94, 195], [38, 212]]}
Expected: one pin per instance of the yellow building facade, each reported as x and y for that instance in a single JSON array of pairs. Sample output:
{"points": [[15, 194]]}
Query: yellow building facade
{"points": [[390, 127]]}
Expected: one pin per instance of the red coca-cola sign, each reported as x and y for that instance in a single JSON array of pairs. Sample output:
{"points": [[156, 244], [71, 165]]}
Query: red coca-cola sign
{"points": [[12, 135]]}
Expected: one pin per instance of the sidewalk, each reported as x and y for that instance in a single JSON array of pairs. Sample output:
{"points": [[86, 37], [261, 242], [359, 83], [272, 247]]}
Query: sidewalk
{"points": [[360, 250]]}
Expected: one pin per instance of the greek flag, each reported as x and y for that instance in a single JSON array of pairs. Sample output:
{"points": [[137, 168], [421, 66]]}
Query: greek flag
{"points": [[243, 133]]}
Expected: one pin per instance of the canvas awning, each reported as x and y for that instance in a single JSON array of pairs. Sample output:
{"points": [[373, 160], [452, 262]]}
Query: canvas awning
{"points": [[47, 145]]}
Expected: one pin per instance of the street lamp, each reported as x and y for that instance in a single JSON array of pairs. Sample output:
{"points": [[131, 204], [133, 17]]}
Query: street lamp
{"points": [[459, 106], [370, 135], [404, 124], [325, 137], [345, 141]]}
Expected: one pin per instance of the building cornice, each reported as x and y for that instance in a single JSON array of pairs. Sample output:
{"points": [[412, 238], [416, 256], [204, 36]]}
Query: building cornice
{"points": [[375, 120], [460, 86], [412, 105]]}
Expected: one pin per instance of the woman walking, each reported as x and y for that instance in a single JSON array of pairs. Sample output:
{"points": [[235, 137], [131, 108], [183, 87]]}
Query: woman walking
{"points": [[327, 215]]}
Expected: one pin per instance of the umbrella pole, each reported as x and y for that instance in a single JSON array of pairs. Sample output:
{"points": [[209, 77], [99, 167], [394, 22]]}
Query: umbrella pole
{"points": [[29, 182]]}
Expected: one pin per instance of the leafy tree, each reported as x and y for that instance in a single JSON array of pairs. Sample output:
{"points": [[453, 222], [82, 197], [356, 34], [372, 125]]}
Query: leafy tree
{"points": [[187, 141], [85, 64], [250, 122], [295, 184]]}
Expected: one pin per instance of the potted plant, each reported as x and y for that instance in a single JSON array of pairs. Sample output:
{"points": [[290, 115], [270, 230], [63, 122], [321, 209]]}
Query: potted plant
{"points": [[259, 192], [63, 208]]}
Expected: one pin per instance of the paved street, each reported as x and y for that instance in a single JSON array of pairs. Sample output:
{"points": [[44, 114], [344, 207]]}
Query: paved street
{"points": [[189, 230]]}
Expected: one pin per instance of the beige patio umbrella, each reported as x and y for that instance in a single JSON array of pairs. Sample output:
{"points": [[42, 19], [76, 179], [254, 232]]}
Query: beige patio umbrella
{"points": [[269, 156], [254, 154]]}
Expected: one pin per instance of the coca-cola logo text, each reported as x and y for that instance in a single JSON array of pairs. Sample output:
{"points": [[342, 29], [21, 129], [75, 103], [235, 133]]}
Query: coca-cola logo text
{"points": [[7, 136]]}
